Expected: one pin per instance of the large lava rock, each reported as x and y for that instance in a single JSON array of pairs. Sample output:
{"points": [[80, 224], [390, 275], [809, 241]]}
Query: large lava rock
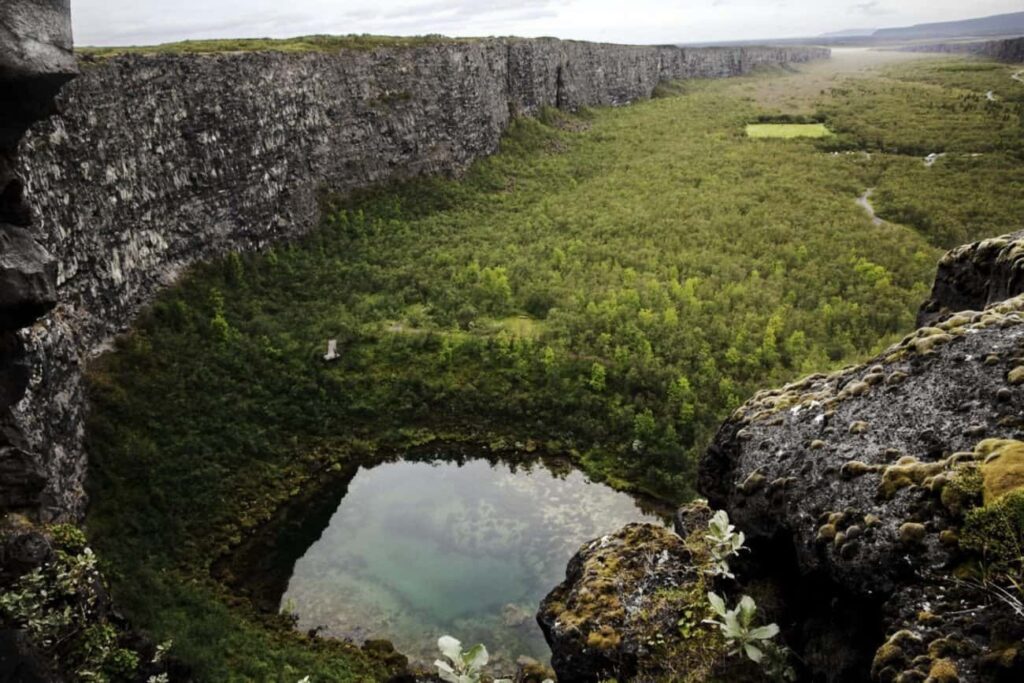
{"points": [[845, 480], [974, 276], [632, 608], [597, 621]]}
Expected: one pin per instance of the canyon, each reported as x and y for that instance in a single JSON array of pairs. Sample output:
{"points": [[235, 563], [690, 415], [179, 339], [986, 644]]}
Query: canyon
{"points": [[852, 487], [159, 161]]}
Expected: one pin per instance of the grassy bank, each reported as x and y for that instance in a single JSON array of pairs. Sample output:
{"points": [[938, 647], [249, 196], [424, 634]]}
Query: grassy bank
{"points": [[315, 43], [609, 286]]}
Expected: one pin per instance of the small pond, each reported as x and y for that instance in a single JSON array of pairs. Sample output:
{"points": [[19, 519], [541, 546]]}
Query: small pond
{"points": [[416, 550], [787, 130]]}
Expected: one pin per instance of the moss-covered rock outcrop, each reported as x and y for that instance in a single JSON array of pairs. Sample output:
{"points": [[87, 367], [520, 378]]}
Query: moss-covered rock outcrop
{"points": [[896, 485], [631, 609]]}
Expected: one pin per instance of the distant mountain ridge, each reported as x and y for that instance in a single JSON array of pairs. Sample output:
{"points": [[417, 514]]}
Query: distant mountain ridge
{"points": [[996, 25], [850, 33]]}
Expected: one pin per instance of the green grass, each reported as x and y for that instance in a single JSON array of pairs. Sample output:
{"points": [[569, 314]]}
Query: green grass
{"points": [[787, 130], [315, 43], [609, 287]]}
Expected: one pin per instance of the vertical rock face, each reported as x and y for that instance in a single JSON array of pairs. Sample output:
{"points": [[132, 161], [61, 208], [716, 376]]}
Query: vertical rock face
{"points": [[35, 61], [1011, 50], [974, 276], [160, 161]]}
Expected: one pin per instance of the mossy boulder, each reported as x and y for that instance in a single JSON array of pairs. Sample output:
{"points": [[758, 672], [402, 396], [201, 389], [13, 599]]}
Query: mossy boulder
{"points": [[942, 502], [631, 608]]}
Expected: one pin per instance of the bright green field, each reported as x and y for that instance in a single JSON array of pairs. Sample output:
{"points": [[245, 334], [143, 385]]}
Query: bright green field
{"points": [[609, 287], [787, 130]]}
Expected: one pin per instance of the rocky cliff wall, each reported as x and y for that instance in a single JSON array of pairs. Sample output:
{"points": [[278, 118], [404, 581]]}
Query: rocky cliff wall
{"points": [[1011, 50], [159, 161], [35, 61]]}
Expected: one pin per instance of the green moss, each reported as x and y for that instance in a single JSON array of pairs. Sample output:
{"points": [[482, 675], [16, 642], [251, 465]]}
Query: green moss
{"points": [[963, 489], [605, 638], [1003, 468], [1016, 376], [996, 532], [907, 471], [856, 468], [911, 533], [67, 537], [943, 671], [314, 43]]}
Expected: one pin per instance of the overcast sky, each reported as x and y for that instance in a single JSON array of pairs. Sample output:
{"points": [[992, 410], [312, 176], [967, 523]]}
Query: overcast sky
{"points": [[135, 22]]}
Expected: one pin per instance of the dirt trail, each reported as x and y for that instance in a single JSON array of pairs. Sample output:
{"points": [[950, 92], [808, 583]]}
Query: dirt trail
{"points": [[864, 202]]}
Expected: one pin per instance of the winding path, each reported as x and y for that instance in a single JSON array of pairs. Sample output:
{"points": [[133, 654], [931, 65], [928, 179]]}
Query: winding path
{"points": [[864, 202]]}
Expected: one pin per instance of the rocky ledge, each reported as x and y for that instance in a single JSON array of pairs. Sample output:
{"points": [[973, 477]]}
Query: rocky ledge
{"points": [[883, 504]]}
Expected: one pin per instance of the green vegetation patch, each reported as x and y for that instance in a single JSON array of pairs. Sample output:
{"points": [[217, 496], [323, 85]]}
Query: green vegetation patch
{"points": [[787, 130], [315, 43]]}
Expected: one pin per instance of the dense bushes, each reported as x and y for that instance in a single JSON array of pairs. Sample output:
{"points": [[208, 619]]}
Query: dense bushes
{"points": [[610, 286]]}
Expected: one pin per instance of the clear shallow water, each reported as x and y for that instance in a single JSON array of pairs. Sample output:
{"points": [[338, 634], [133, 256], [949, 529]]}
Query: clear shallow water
{"points": [[419, 550]]}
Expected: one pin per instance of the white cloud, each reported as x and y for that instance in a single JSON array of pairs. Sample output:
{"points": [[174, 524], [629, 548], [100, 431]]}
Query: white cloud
{"points": [[121, 22]]}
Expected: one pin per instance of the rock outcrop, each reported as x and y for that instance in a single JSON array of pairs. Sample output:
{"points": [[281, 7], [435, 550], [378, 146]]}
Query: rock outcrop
{"points": [[160, 161], [975, 276], [1011, 50], [35, 61], [874, 483], [600, 619]]}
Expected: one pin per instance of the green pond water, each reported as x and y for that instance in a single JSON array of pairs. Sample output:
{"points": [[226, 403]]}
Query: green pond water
{"points": [[418, 550]]}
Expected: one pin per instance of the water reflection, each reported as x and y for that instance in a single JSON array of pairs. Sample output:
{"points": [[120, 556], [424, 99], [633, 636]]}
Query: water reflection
{"points": [[416, 550]]}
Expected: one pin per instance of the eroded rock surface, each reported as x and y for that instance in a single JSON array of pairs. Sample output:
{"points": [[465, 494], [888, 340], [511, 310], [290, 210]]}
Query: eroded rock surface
{"points": [[599, 620], [1011, 50], [974, 276], [859, 481], [35, 61]]}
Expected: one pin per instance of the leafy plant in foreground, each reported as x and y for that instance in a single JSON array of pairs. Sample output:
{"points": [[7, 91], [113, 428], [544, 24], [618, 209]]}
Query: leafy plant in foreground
{"points": [[463, 667], [725, 542], [737, 625]]}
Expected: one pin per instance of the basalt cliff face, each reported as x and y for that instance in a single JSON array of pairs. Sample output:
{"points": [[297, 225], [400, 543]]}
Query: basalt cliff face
{"points": [[1011, 50], [156, 162], [35, 61]]}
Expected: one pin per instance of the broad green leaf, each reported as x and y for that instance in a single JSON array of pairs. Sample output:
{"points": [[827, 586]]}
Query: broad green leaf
{"points": [[717, 604], [765, 632], [747, 609], [733, 629], [753, 652], [476, 658]]}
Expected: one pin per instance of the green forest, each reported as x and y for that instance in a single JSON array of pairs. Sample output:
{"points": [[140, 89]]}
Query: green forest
{"points": [[608, 287]]}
